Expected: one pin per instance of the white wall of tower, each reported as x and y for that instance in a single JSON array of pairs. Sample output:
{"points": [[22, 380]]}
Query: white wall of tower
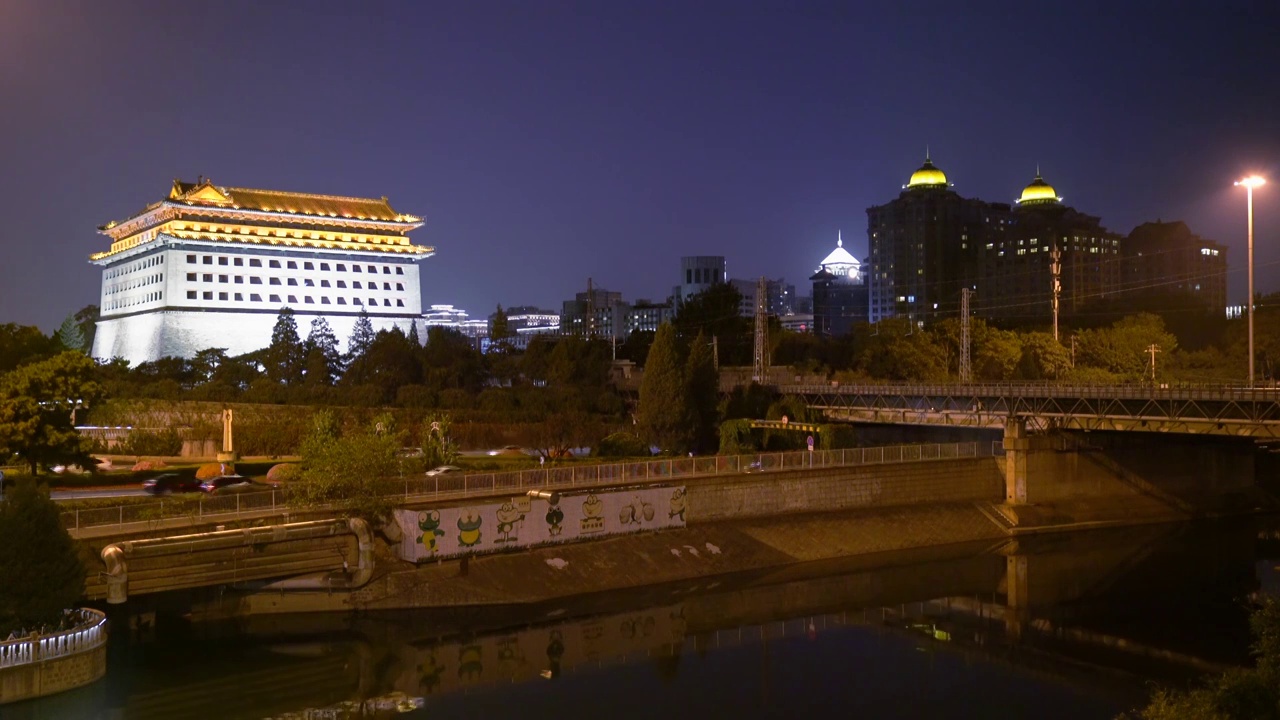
{"points": [[179, 299]]}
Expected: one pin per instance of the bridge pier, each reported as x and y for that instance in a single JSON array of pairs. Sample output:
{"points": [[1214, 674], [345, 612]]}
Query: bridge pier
{"points": [[1017, 445]]}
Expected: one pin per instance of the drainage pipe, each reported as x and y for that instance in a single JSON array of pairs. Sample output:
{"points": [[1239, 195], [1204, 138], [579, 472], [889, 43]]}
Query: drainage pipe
{"points": [[117, 555]]}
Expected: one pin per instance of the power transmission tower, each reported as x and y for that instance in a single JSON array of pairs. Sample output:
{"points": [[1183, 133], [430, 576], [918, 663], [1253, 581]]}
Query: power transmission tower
{"points": [[966, 371], [760, 358], [591, 311], [1056, 268], [1153, 349]]}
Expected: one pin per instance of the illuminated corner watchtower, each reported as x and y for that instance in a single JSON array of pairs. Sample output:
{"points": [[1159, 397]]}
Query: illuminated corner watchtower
{"points": [[211, 267]]}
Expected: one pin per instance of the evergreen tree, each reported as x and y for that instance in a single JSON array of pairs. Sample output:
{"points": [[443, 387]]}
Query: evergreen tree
{"points": [[284, 357], [500, 327], [361, 335], [41, 566], [36, 404], [87, 319], [702, 392], [662, 416], [71, 336], [413, 334], [560, 366], [323, 361]]}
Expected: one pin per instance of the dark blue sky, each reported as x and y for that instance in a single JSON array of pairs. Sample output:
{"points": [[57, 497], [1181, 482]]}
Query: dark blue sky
{"points": [[546, 142]]}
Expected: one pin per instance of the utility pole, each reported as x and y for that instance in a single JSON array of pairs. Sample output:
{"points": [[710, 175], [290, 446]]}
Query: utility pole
{"points": [[966, 371], [1153, 349], [1073, 351], [1056, 268], [715, 352], [760, 358]]}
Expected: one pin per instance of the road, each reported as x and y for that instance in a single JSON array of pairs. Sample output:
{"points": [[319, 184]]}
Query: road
{"points": [[96, 493]]}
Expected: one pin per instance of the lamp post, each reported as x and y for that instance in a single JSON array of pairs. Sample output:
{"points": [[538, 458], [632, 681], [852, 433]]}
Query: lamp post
{"points": [[1249, 184]]}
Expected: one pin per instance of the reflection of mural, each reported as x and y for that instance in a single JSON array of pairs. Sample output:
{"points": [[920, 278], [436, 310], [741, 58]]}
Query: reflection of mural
{"points": [[429, 672], [470, 662], [429, 524], [469, 528], [573, 518], [547, 651]]}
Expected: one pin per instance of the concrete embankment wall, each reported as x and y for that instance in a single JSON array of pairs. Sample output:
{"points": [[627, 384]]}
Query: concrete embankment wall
{"points": [[22, 682], [827, 490]]}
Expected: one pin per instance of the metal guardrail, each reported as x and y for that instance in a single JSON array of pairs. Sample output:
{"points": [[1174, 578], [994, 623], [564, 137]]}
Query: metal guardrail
{"points": [[1172, 391], [456, 486], [89, 632]]}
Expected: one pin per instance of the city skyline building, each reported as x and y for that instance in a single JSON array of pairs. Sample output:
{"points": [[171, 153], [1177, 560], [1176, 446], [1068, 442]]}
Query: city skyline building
{"points": [[922, 247], [1165, 260], [210, 266], [1015, 282], [698, 273], [841, 297]]}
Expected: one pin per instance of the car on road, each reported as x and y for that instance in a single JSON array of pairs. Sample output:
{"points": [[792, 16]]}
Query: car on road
{"points": [[511, 450], [754, 467], [444, 470], [167, 483], [232, 483]]}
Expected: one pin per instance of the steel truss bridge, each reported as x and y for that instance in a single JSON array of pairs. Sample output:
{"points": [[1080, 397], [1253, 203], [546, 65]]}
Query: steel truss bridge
{"points": [[1185, 409]]}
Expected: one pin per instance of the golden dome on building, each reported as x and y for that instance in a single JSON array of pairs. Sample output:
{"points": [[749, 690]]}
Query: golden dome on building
{"points": [[1039, 192], [927, 176]]}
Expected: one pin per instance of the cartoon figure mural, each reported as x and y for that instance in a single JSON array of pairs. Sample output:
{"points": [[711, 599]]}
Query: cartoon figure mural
{"points": [[469, 528], [429, 524], [508, 516], [555, 516], [677, 504], [632, 514], [592, 522]]}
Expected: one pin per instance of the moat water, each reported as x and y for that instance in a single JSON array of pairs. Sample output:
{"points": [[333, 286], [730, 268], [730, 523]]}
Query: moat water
{"points": [[1079, 626]]}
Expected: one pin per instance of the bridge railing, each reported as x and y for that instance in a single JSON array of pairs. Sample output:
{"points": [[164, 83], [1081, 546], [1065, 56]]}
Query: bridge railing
{"points": [[1170, 390], [464, 485], [89, 632]]}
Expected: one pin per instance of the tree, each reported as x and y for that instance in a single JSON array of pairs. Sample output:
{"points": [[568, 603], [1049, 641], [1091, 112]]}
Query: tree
{"points": [[662, 416], [413, 334], [354, 472], [21, 344], [716, 312], [40, 563], [323, 361], [71, 336], [36, 405], [361, 335], [1122, 348], [1237, 693], [87, 318], [284, 356], [1043, 358], [500, 329], [702, 393]]}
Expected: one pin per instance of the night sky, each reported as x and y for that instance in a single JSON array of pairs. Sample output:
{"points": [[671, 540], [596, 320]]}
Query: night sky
{"points": [[546, 142]]}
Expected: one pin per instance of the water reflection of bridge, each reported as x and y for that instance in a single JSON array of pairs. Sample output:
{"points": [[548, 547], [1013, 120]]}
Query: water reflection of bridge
{"points": [[1038, 607]]}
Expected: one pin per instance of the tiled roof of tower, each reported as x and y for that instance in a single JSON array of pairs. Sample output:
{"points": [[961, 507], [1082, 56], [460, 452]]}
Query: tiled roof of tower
{"points": [[291, 202]]}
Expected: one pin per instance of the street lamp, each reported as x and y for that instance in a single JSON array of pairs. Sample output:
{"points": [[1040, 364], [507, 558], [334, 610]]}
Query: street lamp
{"points": [[1249, 184]]}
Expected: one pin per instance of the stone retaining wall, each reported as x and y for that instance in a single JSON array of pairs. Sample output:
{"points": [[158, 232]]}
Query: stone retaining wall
{"points": [[878, 486]]}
